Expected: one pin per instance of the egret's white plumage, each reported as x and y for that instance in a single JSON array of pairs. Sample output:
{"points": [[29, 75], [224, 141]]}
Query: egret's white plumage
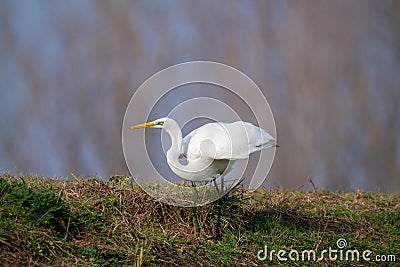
{"points": [[209, 148]]}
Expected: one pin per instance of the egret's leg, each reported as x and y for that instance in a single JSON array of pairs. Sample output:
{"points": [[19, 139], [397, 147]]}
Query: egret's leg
{"points": [[194, 209], [214, 180], [196, 195], [220, 204], [222, 185]]}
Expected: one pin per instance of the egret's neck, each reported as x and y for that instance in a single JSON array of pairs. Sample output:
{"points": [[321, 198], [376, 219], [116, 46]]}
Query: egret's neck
{"points": [[172, 128], [193, 170]]}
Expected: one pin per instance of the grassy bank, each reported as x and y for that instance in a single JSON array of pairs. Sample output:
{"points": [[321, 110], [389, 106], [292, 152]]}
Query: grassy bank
{"points": [[93, 222]]}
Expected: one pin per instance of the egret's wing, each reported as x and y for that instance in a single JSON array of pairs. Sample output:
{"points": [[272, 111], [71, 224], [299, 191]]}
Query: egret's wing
{"points": [[226, 141]]}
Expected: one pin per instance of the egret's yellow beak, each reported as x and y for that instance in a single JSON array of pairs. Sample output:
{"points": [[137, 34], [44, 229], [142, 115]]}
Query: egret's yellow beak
{"points": [[143, 125]]}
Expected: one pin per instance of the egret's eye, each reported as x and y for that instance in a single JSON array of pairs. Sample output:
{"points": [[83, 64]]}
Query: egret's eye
{"points": [[161, 123]]}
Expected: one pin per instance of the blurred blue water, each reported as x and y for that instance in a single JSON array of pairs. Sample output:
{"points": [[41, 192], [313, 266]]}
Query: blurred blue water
{"points": [[329, 71]]}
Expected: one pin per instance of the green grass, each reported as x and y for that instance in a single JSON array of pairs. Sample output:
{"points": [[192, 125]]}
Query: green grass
{"points": [[94, 222]]}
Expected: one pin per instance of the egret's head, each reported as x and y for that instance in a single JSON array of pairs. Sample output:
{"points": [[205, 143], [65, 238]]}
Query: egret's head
{"points": [[159, 123]]}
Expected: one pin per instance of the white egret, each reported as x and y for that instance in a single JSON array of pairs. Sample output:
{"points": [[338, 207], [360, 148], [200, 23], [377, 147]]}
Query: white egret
{"points": [[209, 148]]}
